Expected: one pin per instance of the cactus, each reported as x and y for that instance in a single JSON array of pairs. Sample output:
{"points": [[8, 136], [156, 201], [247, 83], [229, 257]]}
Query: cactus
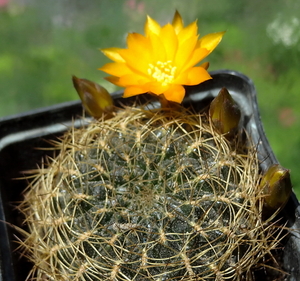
{"points": [[149, 194]]}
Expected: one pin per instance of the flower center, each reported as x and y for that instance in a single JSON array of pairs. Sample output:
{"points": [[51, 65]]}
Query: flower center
{"points": [[162, 72]]}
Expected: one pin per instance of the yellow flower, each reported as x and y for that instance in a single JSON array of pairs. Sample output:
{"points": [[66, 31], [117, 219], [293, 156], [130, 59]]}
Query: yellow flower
{"points": [[162, 60]]}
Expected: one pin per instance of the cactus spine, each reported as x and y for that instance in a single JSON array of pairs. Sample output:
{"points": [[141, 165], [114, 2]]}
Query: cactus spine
{"points": [[147, 195]]}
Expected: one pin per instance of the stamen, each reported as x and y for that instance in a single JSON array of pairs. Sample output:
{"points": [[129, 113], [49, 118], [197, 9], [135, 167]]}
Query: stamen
{"points": [[162, 72]]}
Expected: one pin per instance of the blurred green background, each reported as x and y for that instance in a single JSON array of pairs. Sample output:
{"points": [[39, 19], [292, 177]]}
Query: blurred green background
{"points": [[44, 42]]}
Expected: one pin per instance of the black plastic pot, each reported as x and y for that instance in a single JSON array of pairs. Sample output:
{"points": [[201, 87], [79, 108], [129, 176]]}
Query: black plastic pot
{"points": [[21, 135]]}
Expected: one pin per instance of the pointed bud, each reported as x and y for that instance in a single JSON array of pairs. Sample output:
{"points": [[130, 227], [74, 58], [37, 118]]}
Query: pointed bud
{"points": [[277, 187], [95, 99], [224, 113]]}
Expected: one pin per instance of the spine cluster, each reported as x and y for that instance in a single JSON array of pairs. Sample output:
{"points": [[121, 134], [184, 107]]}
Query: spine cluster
{"points": [[147, 196]]}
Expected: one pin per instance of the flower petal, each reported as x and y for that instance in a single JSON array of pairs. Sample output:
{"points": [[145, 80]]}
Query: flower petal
{"points": [[175, 93], [188, 32], [133, 91], [197, 75], [136, 65], [133, 79], [158, 50], [113, 54], [193, 76], [138, 43], [169, 40], [114, 80], [151, 26], [116, 69], [211, 41], [177, 22], [156, 87], [198, 55], [185, 52], [205, 65]]}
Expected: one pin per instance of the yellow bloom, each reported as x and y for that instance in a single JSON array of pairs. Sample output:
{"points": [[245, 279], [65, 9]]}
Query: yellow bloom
{"points": [[162, 60]]}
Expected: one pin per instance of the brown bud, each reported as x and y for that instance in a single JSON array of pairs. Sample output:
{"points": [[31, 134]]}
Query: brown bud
{"points": [[277, 187], [95, 99], [224, 113]]}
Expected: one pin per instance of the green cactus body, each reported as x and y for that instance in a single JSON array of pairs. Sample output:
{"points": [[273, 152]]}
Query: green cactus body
{"points": [[147, 195]]}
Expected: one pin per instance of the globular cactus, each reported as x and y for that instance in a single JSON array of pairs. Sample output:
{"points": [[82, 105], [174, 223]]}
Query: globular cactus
{"points": [[149, 194]]}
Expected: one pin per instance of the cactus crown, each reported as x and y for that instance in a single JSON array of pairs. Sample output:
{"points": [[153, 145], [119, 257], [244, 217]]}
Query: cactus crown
{"points": [[147, 195]]}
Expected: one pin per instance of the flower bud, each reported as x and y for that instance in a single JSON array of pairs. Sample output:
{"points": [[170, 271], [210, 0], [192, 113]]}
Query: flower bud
{"points": [[224, 113], [95, 99], [276, 186]]}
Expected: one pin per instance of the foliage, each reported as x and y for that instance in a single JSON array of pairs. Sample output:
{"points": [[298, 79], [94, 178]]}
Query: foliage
{"points": [[43, 43]]}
